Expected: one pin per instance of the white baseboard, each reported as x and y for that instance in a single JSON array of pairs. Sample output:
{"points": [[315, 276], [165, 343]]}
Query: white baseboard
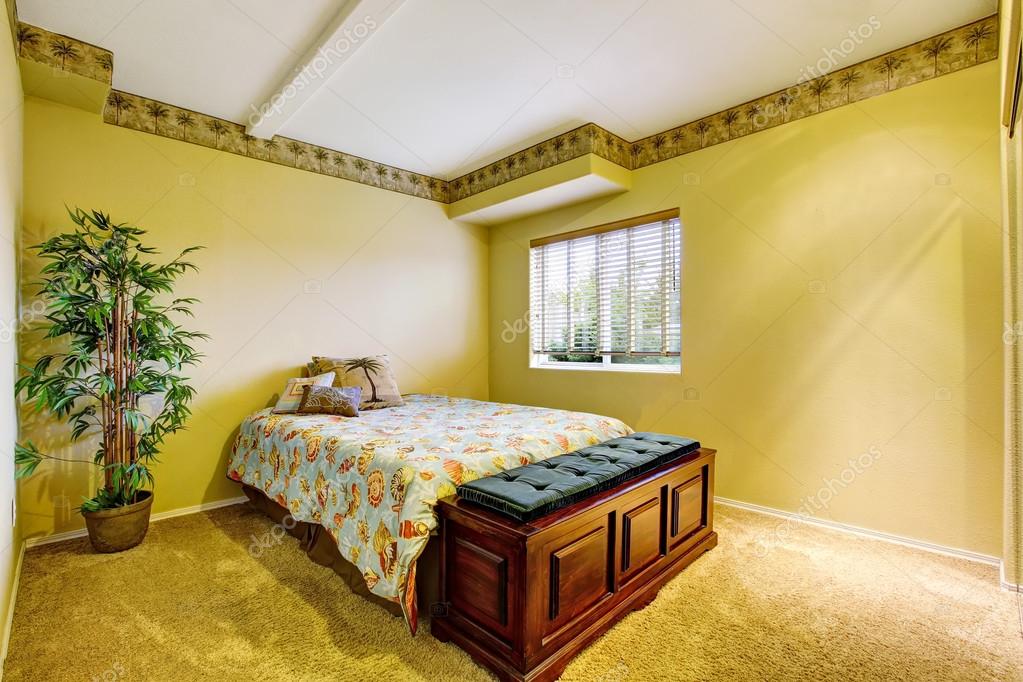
{"points": [[9, 619], [183, 511], [196, 508], [866, 533], [1007, 584]]}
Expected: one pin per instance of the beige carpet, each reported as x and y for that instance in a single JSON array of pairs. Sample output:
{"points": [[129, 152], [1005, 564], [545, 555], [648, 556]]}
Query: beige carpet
{"points": [[192, 603]]}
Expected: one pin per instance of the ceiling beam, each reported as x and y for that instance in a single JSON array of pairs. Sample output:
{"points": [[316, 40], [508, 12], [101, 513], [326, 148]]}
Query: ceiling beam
{"points": [[351, 28]]}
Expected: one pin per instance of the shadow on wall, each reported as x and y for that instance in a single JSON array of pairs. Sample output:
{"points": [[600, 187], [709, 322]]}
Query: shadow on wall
{"points": [[840, 293], [49, 499]]}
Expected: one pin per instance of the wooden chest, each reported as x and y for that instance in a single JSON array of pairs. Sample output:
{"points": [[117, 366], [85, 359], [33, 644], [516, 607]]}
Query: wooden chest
{"points": [[524, 598]]}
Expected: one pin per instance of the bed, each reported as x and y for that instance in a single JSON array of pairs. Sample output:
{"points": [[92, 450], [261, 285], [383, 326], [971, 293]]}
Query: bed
{"points": [[372, 483]]}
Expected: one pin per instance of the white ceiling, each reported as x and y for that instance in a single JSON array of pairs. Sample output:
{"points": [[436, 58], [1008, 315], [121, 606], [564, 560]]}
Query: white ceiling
{"points": [[445, 86]]}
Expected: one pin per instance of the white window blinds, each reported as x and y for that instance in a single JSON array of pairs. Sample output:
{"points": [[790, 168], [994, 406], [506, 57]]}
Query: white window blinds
{"points": [[610, 290]]}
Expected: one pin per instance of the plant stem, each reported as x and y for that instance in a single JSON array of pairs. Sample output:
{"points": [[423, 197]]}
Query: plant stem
{"points": [[64, 459]]}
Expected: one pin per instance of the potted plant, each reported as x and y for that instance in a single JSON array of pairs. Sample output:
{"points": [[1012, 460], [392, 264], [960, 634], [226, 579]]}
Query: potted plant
{"points": [[117, 378]]}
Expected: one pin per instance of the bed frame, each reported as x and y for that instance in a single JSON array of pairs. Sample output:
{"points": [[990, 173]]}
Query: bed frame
{"points": [[524, 598]]}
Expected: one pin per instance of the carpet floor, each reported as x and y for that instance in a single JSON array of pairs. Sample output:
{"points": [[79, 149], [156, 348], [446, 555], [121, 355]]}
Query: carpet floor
{"points": [[193, 603]]}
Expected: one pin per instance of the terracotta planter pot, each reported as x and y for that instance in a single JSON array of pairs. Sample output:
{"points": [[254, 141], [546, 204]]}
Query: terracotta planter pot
{"points": [[115, 530]]}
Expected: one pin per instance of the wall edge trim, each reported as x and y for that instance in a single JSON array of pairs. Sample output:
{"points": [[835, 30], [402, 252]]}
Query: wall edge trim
{"points": [[953, 552], [169, 514], [1006, 583], [631, 155], [9, 620]]}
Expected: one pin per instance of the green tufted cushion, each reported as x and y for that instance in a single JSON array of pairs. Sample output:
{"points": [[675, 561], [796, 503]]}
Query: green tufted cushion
{"points": [[529, 492]]}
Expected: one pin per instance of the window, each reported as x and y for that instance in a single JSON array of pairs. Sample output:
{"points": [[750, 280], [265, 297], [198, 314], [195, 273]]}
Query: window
{"points": [[608, 297]]}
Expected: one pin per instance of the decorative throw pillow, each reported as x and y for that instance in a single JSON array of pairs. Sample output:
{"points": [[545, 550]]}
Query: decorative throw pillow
{"points": [[291, 396], [372, 374], [331, 400]]}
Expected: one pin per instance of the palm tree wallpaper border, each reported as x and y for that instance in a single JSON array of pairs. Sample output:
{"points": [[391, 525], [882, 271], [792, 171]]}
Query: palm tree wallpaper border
{"points": [[946, 53], [64, 53], [943, 54], [151, 116]]}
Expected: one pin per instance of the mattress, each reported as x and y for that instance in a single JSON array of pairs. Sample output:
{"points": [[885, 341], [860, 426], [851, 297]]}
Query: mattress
{"points": [[372, 481]]}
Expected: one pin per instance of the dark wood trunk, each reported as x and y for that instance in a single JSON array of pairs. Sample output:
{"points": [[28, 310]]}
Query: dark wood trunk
{"points": [[524, 598]]}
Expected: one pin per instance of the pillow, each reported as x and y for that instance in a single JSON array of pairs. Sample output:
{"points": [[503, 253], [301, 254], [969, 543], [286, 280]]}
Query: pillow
{"points": [[331, 400], [372, 374], [291, 396]]}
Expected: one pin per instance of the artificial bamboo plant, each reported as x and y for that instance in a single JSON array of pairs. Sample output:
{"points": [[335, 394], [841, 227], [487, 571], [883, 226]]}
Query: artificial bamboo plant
{"points": [[120, 346]]}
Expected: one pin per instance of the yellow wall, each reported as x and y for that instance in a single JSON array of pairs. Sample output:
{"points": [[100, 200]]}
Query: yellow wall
{"points": [[11, 111], [295, 264], [841, 293]]}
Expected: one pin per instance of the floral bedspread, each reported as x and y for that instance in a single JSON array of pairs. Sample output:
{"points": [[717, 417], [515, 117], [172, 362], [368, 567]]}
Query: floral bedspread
{"points": [[373, 481]]}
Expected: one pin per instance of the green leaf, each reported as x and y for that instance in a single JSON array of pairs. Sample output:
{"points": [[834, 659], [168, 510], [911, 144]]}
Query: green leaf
{"points": [[26, 459], [89, 272]]}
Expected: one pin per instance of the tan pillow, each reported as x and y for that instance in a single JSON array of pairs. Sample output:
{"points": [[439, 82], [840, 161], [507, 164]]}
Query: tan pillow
{"points": [[372, 374], [291, 396], [331, 400]]}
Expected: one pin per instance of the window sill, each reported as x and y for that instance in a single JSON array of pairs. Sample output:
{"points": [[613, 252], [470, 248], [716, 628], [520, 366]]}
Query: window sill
{"points": [[608, 368]]}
